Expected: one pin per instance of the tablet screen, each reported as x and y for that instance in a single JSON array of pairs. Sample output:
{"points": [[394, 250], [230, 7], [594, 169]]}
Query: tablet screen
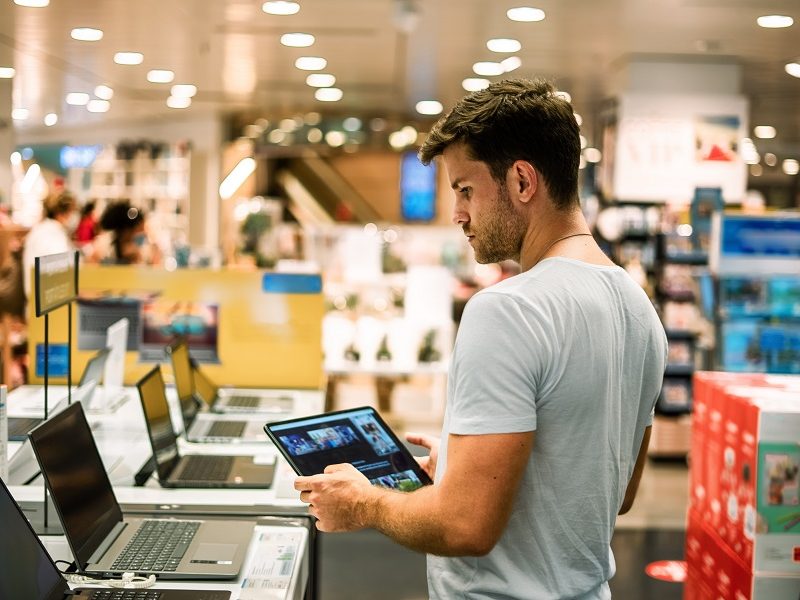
{"points": [[357, 436]]}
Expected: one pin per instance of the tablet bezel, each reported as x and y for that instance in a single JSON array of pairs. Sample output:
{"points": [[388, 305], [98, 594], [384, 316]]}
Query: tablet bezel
{"points": [[418, 470]]}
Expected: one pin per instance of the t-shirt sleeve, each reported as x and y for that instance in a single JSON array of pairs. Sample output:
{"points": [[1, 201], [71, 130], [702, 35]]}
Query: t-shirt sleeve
{"points": [[496, 367]]}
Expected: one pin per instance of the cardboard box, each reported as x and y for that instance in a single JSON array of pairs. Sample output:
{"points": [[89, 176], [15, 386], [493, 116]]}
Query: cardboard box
{"points": [[745, 467]]}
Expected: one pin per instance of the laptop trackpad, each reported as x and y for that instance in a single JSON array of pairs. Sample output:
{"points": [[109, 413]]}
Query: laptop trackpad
{"points": [[214, 553]]}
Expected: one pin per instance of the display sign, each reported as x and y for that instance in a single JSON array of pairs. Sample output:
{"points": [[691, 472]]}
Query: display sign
{"points": [[764, 244], [57, 360], [55, 281], [78, 157]]}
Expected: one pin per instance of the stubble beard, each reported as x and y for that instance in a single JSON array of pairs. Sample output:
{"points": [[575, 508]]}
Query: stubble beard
{"points": [[499, 237]]}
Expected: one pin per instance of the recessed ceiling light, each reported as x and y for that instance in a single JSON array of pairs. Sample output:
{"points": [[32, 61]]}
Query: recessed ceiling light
{"points": [[770, 159], [98, 106], [503, 45], [765, 132], [280, 7], [320, 80], [86, 34], [160, 76], [311, 63], [488, 69], [50, 119], [297, 40], [791, 166], [104, 92], [351, 124], [20, 114], [429, 107], [183, 90], [32, 3], [565, 96], [128, 58], [775, 21], [525, 13], [793, 69], [592, 155], [179, 102], [756, 170], [329, 94], [335, 138], [473, 84], [77, 99], [7, 72], [511, 63]]}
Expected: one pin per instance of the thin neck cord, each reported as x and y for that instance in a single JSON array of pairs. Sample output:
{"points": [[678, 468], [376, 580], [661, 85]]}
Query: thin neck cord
{"points": [[546, 250]]}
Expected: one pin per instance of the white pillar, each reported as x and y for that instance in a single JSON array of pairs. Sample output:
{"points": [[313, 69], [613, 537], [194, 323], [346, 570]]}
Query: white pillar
{"points": [[6, 85]]}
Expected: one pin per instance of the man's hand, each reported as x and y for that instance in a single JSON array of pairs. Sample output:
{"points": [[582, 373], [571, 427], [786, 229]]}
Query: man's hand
{"points": [[340, 499], [428, 463]]}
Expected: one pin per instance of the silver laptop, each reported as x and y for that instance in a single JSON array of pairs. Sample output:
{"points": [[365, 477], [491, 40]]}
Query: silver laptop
{"points": [[264, 401], [202, 426], [105, 542], [193, 470], [27, 571], [18, 427]]}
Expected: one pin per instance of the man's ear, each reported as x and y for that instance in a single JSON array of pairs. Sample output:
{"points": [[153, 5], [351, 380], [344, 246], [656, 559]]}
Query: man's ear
{"points": [[524, 180]]}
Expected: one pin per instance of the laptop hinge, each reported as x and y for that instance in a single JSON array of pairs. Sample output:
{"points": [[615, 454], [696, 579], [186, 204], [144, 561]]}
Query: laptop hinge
{"points": [[106, 544]]}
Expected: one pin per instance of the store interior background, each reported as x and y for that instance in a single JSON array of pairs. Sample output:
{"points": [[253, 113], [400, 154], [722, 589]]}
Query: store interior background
{"points": [[255, 168]]}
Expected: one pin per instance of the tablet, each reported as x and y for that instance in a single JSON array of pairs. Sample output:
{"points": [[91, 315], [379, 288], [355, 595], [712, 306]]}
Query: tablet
{"points": [[357, 436]]}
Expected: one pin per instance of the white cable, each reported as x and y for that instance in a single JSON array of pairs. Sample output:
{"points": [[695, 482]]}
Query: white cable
{"points": [[128, 581]]}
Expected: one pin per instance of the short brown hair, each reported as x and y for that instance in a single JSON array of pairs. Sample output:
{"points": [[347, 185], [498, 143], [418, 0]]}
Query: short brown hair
{"points": [[515, 119], [58, 204]]}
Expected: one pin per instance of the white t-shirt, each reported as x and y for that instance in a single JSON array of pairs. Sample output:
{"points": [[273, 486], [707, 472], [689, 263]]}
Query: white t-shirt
{"points": [[577, 353], [48, 236]]}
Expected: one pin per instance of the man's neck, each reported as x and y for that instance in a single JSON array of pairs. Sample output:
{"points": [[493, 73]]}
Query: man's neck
{"points": [[547, 227]]}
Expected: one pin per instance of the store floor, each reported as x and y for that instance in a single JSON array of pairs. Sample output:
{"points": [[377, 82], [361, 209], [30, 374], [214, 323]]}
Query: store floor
{"points": [[365, 565]]}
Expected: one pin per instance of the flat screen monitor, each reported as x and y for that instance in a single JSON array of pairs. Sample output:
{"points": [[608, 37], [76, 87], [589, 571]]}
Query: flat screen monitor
{"points": [[417, 189]]}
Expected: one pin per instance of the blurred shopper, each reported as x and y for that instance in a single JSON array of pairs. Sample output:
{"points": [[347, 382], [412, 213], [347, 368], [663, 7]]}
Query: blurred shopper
{"points": [[553, 378], [87, 227], [51, 235], [129, 242]]}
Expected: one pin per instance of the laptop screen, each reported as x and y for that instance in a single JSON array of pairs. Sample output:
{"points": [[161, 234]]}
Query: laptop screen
{"points": [[94, 368], [26, 570], [77, 480], [116, 342], [182, 369], [159, 423]]}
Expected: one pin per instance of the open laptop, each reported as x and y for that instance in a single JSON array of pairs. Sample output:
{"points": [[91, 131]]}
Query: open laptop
{"points": [[27, 571], [230, 399], [194, 470], [18, 427], [105, 542], [112, 392], [211, 427]]}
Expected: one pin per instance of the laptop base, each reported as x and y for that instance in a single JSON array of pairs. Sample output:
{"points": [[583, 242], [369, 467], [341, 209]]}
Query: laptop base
{"points": [[34, 512]]}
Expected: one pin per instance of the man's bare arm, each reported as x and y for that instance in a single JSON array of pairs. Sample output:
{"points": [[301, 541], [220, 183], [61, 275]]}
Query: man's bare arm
{"points": [[465, 514], [633, 484]]}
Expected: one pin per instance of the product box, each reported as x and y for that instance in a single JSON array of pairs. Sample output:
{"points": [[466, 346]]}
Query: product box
{"points": [[714, 571], [744, 463]]}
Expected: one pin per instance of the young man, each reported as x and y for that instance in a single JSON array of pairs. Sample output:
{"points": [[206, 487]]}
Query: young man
{"points": [[553, 380]]}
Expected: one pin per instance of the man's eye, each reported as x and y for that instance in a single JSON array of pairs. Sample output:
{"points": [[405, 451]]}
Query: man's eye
{"points": [[465, 191]]}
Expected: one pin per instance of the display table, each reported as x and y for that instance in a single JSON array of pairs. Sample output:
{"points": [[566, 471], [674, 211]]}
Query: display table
{"points": [[122, 441]]}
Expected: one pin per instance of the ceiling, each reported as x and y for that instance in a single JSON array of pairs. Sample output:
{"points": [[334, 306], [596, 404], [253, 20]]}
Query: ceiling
{"points": [[386, 54]]}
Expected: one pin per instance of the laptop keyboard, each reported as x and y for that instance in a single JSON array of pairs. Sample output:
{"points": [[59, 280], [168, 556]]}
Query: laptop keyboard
{"points": [[232, 429], [157, 546], [20, 426], [206, 468], [126, 595], [244, 401]]}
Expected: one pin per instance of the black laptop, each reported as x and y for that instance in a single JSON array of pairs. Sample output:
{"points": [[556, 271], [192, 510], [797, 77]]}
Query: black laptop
{"points": [[192, 470], [105, 542], [28, 573], [18, 427], [200, 426], [232, 399]]}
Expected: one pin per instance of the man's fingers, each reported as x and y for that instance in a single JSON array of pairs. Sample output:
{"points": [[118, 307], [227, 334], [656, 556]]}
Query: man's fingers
{"points": [[338, 468], [421, 439]]}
